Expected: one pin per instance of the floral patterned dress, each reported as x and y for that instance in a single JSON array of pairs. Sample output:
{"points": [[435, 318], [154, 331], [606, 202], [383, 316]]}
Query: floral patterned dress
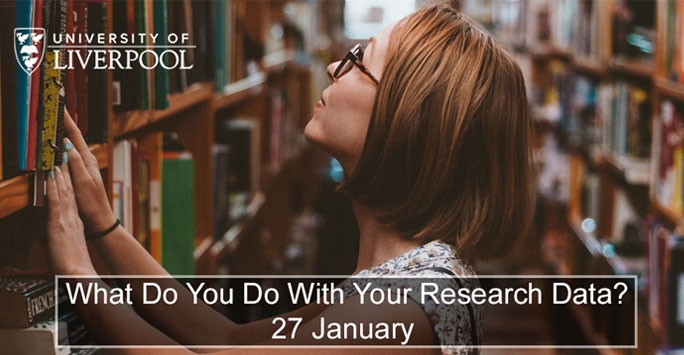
{"points": [[451, 323]]}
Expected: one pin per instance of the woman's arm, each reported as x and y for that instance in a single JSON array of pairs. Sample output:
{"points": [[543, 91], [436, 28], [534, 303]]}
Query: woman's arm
{"points": [[120, 324], [189, 323], [123, 254]]}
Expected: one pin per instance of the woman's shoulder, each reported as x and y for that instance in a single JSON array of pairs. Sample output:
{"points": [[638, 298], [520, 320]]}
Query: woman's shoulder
{"points": [[452, 325], [431, 259]]}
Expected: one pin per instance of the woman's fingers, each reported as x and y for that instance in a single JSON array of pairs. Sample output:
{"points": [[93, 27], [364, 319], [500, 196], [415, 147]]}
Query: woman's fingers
{"points": [[79, 143], [52, 192], [68, 187], [59, 179], [74, 133], [76, 165]]}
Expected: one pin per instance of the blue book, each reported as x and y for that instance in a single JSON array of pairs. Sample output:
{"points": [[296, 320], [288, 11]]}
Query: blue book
{"points": [[24, 16]]}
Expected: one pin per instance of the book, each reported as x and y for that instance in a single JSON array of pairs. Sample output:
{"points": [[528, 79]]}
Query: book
{"points": [[123, 86], [143, 100], [24, 19], [98, 112], [122, 175], [220, 24], [40, 338], [8, 69], [35, 96], [80, 73], [178, 213], [220, 153], [150, 148], [161, 75], [242, 138], [675, 296], [25, 300], [658, 236]]}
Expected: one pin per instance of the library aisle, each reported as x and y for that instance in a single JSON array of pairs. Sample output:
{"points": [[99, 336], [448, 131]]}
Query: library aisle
{"points": [[205, 163]]}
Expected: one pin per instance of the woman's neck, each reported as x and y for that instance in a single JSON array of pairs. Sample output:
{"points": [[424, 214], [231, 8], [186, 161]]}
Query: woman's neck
{"points": [[377, 243]]}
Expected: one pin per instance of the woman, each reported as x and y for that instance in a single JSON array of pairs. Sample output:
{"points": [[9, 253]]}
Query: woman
{"points": [[430, 124]]}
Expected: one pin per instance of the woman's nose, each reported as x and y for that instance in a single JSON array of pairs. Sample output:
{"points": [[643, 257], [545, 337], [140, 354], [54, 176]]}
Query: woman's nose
{"points": [[331, 70]]}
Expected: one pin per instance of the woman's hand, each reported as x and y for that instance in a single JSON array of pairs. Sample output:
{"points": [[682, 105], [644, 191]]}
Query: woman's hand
{"points": [[89, 190], [66, 243]]}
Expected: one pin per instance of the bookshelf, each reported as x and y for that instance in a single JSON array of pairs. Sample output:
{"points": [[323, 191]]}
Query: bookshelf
{"points": [[15, 193], [193, 115], [569, 71]]}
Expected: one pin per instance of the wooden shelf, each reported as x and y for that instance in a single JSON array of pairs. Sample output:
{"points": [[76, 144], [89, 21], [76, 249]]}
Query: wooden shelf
{"points": [[15, 193], [128, 122], [633, 67], [244, 89], [548, 52], [667, 213], [670, 88], [589, 66], [239, 91]]}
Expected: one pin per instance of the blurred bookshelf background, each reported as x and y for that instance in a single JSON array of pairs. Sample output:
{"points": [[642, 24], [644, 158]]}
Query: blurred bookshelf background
{"points": [[209, 168]]}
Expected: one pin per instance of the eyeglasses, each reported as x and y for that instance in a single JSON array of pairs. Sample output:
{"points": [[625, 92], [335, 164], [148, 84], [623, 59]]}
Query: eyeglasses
{"points": [[353, 58]]}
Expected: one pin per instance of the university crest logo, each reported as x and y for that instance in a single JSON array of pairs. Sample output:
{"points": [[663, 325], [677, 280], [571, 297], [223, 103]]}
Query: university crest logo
{"points": [[29, 47]]}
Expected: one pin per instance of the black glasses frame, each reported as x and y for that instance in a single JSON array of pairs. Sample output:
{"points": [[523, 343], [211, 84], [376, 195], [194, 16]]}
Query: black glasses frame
{"points": [[355, 57]]}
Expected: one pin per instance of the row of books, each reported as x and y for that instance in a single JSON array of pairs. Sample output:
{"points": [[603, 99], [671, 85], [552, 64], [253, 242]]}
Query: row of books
{"points": [[666, 281], [613, 117], [245, 148], [27, 322], [672, 13], [33, 101], [142, 89], [668, 157], [625, 109], [576, 26], [594, 30], [153, 197], [236, 50]]}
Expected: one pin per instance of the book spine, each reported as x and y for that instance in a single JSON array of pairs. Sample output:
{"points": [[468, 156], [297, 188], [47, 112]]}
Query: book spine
{"points": [[51, 104], [220, 47], [59, 128], [98, 112], [142, 99], [69, 83], [161, 75], [35, 93], [178, 215], [81, 78], [121, 84], [23, 19], [40, 303]]}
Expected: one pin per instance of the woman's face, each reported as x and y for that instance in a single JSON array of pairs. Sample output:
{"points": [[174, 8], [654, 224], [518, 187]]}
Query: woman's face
{"points": [[340, 119]]}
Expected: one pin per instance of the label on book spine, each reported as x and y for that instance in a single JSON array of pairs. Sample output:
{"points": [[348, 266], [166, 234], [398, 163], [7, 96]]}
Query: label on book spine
{"points": [[51, 96], [36, 305]]}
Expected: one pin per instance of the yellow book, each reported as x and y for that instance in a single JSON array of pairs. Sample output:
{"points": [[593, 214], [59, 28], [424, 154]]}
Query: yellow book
{"points": [[51, 92]]}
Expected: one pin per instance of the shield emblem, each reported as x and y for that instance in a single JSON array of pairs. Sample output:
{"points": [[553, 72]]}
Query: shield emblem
{"points": [[29, 47]]}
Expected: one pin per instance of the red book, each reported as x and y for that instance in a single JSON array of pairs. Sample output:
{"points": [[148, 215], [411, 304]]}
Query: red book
{"points": [[81, 85], [70, 84], [35, 96]]}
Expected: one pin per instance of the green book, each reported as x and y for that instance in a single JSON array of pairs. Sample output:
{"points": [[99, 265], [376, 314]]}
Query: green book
{"points": [[178, 214], [219, 46], [140, 27], [161, 75]]}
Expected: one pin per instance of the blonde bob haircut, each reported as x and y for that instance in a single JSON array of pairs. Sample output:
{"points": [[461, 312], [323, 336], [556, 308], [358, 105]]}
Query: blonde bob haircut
{"points": [[447, 154]]}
